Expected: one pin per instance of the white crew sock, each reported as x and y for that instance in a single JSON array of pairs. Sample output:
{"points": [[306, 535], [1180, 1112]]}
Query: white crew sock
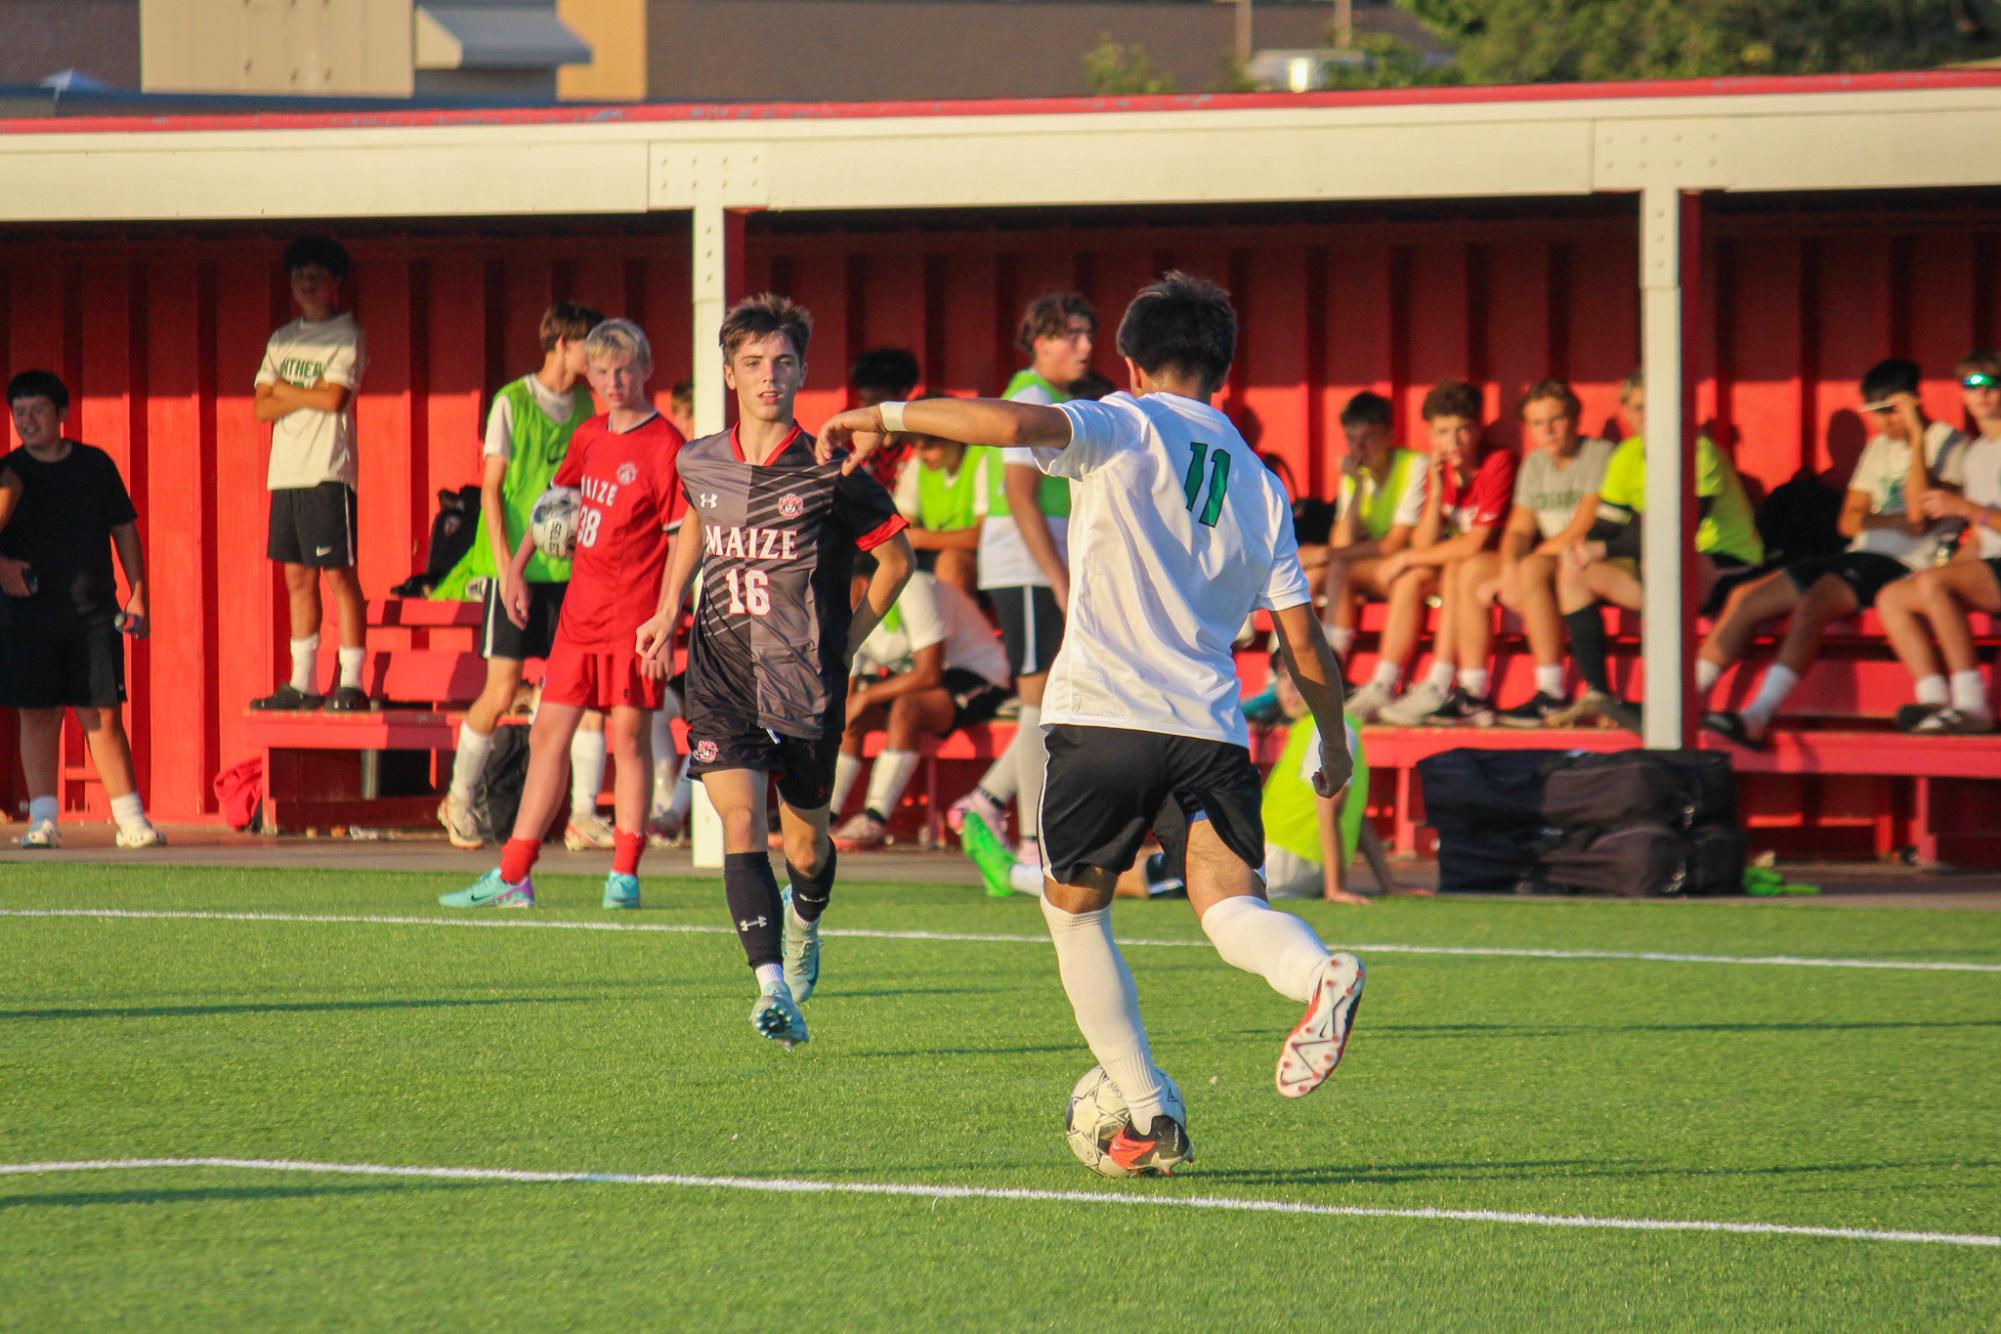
{"points": [[1475, 682], [684, 795], [847, 768], [1706, 674], [1025, 879], [1969, 693], [351, 657], [893, 769], [586, 772], [1031, 756], [1772, 691], [469, 761], [1252, 935], [1440, 676], [1106, 1004], [767, 973], [1549, 679], [128, 811], [1340, 638], [305, 659], [1932, 690], [43, 808], [1386, 674]]}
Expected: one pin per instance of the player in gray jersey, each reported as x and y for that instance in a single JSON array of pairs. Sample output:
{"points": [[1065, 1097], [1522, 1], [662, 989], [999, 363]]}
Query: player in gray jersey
{"points": [[774, 527]]}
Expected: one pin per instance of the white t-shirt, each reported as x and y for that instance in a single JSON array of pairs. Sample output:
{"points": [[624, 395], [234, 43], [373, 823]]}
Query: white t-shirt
{"points": [[1004, 559], [1882, 470], [500, 421], [926, 613], [1169, 576], [1981, 467], [309, 446]]}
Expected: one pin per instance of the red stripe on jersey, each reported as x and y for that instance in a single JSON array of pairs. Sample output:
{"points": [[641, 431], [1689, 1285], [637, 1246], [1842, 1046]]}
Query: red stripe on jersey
{"points": [[783, 445], [891, 526]]}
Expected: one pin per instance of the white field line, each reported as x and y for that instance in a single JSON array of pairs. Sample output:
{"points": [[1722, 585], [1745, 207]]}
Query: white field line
{"points": [[796, 1186], [508, 919]]}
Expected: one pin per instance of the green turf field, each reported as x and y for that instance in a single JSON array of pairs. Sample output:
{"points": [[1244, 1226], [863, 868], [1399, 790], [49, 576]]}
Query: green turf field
{"points": [[1618, 1088]]}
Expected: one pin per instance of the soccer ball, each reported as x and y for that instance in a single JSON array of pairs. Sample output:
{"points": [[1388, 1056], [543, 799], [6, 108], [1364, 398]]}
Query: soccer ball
{"points": [[1097, 1113], [553, 521]]}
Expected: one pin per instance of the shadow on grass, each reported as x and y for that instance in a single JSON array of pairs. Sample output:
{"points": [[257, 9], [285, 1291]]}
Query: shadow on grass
{"points": [[972, 1051], [206, 1194], [1613, 1168], [1591, 1030], [291, 1007]]}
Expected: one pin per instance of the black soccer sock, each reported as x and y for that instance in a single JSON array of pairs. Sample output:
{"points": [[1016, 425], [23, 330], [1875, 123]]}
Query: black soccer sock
{"points": [[811, 892], [752, 892], [1587, 647]]}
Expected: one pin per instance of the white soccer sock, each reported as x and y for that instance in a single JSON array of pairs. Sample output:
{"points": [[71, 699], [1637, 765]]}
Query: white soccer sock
{"points": [[1031, 755], [1549, 679], [998, 781], [1475, 682], [684, 795], [1440, 676], [469, 761], [767, 973], [351, 657], [1707, 674], [1772, 691], [128, 811], [1386, 674], [305, 658], [1106, 1004], [1932, 690], [666, 764], [1340, 638], [847, 768], [1025, 879], [1252, 935], [586, 771], [43, 808], [1969, 692], [893, 769]]}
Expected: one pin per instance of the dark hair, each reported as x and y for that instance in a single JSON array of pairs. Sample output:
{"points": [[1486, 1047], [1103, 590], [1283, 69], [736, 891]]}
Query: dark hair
{"points": [[1181, 323], [682, 394], [1091, 385], [1980, 361], [317, 251], [38, 384], [889, 369], [1367, 409], [568, 319], [1050, 314], [762, 315], [1550, 389], [1452, 398], [1897, 375]]}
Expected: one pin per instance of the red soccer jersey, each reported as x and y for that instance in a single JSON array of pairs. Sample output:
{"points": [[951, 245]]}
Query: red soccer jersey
{"points": [[630, 484], [1482, 502]]}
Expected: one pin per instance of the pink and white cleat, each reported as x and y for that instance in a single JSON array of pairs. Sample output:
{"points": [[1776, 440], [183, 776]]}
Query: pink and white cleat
{"points": [[980, 804], [1314, 1048]]}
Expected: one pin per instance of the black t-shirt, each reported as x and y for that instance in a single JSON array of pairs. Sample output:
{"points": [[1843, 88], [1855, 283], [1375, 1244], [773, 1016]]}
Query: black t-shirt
{"points": [[1312, 521], [62, 528]]}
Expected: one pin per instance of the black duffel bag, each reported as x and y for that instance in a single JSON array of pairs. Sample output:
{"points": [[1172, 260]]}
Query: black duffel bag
{"points": [[1636, 861], [1679, 788], [1474, 791]]}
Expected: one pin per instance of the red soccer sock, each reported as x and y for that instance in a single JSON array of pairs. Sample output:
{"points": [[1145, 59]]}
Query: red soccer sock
{"points": [[625, 850], [517, 859]]}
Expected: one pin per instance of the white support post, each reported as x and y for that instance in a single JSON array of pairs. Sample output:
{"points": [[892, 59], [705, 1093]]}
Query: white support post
{"points": [[716, 246], [1667, 631]]}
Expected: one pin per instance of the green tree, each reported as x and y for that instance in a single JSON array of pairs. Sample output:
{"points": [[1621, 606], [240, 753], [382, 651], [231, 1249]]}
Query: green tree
{"points": [[1114, 69]]}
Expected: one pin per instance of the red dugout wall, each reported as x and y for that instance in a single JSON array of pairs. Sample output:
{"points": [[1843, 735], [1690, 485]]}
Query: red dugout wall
{"points": [[159, 337]]}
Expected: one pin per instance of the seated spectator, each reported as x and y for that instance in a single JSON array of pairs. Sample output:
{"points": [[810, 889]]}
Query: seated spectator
{"points": [[1091, 385], [945, 671], [681, 408], [1556, 501], [1467, 495], [1605, 567], [1891, 535], [882, 375], [1311, 840], [1381, 501], [1933, 603], [63, 509], [938, 493]]}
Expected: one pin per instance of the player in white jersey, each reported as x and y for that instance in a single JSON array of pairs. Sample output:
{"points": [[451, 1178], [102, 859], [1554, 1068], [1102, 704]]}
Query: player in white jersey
{"points": [[1176, 532]]}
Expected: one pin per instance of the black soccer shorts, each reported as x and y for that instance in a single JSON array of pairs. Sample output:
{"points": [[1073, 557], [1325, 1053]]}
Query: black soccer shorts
{"points": [[313, 526], [804, 765]]}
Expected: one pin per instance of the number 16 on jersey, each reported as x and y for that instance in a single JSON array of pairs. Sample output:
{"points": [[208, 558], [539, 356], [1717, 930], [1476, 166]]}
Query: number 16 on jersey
{"points": [[751, 597]]}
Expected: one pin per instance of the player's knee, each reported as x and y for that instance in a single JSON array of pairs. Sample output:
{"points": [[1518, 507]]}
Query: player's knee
{"points": [[739, 828]]}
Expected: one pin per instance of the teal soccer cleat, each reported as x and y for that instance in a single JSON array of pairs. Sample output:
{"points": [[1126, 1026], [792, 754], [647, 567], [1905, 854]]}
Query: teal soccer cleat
{"points": [[801, 952], [490, 891], [777, 1016], [621, 891]]}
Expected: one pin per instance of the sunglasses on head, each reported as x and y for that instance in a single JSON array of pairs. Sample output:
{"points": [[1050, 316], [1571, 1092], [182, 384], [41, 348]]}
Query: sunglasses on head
{"points": [[1979, 380]]}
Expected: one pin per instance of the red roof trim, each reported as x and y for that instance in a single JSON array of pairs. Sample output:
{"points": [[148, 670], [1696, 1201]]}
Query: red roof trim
{"points": [[650, 113]]}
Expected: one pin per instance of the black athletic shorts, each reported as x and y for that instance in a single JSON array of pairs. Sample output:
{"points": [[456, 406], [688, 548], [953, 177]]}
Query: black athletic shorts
{"points": [[1730, 572], [82, 667], [1030, 626], [1864, 572], [313, 525], [974, 698], [1107, 786], [805, 766], [500, 637]]}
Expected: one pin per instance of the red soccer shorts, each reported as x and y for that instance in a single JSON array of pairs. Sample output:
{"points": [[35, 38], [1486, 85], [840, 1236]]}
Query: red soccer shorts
{"points": [[597, 679]]}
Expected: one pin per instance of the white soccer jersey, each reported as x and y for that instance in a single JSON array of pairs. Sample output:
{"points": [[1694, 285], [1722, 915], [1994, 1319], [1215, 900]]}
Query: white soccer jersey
{"points": [[1177, 530], [926, 613], [309, 446]]}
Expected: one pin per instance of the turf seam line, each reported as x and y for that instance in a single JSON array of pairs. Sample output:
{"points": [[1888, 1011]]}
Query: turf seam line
{"points": [[991, 938], [801, 1186]]}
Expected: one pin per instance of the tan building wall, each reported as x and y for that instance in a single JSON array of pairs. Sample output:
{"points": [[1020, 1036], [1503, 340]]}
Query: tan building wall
{"points": [[354, 47], [616, 31]]}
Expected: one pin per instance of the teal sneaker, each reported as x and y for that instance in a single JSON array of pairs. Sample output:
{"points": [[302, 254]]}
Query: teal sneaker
{"points": [[991, 856], [777, 1016], [490, 891], [621, 891], [801, 951]]}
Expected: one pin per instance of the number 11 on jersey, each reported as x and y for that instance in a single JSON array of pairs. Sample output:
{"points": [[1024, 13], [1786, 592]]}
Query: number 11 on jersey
{"points": [[1219, 483]]}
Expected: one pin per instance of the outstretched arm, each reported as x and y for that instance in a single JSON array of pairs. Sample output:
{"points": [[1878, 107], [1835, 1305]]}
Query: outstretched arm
{"points": [[976, 421]]}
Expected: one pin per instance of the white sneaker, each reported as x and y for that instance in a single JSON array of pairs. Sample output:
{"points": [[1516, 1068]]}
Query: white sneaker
{"points": [[42, 834], [1314, 1048], [1416, 707], [460, 828], [141, 835], [978, 803], [860, 834], [1368, 702], [586, 832]]}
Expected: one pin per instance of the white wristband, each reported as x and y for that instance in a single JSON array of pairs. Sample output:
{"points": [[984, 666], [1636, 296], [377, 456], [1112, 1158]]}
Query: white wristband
{"points": [[892, 416]]}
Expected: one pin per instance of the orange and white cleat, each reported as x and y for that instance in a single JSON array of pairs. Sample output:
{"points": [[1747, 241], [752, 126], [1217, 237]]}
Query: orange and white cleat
{"points": [[1158, 1152], [1314, 1048]]}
